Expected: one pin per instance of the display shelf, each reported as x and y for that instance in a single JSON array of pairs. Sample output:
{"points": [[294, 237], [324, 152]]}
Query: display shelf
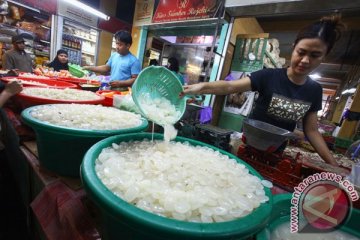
{"points": [[71, 48], [44, 54], [86, 39], [88, 53]]}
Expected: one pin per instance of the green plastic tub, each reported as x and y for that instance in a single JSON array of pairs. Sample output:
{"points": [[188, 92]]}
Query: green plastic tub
{"points": [[77, 70], [159, 82], [281, 214], [121, 220], [61, 149]]}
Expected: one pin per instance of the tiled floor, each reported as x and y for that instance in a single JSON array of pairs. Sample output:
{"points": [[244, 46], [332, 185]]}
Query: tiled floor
{"points": [[12, 210]]}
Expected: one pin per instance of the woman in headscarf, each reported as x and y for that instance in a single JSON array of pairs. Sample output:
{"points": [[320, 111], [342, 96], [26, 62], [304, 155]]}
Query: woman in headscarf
{"points": [[173, 65], [60, 62]]}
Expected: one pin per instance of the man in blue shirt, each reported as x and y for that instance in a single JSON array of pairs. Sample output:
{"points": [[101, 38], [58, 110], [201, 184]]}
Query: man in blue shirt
{"points": [[122, 65]]}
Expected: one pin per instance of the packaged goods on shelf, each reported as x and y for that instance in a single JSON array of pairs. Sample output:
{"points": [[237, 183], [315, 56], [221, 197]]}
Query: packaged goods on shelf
{"points": [[83, 39]]}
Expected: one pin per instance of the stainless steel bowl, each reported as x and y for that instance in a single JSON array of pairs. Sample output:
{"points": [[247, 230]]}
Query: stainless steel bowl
{"points": [[264, 136]]}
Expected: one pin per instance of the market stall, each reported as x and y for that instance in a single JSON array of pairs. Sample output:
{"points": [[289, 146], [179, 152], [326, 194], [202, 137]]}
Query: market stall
{"points": [[81, 182]]}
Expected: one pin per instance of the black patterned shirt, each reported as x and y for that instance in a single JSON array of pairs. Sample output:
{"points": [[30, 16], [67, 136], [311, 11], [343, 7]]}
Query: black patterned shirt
{"points": [[281, 102]]}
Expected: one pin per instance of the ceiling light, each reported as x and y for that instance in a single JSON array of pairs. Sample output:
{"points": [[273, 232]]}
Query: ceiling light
{"points": [[87, 9], [337, 98], [344, 92], [315, 76], [199, 58], [352, 90]]}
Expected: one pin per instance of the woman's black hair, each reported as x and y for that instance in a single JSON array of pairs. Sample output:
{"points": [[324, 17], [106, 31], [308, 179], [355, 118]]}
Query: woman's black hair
{"points": [[61, 51], [153, 62], [56, 64], [123, 36], [173, 64], [328, 29]]}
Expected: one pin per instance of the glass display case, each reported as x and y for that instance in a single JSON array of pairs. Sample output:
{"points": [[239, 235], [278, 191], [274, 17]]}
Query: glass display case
{"points": [[80, 42]]}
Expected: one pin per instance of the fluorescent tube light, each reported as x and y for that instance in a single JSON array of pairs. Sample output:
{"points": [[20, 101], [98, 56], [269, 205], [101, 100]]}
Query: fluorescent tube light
{"points": [[23, 5], [315, 76], [351, 90], [199, 58], [87, 9]]}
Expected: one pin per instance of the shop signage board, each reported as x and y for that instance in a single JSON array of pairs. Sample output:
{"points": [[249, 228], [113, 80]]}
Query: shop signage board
{"points": [[181, 10], [161, 11], [79, 15], [48, 6], [144, 10]]}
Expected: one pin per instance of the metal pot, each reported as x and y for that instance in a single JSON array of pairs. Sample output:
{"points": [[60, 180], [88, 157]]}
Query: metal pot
{"points": [[264, 136]]}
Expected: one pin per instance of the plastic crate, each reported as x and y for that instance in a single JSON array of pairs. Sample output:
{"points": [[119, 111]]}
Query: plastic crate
{"points": [[213, 135], [343, 142]]}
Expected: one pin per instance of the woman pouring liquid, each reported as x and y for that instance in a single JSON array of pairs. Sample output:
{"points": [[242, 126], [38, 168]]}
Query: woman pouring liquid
{"points": [[288, 95]]}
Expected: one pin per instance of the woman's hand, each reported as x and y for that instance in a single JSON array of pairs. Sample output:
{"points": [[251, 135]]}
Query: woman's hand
{"points": [[13, 88], [192, 89]]}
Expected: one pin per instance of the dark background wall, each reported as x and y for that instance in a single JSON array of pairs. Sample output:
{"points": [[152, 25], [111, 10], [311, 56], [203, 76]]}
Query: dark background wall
{"points": [[125, 10]]}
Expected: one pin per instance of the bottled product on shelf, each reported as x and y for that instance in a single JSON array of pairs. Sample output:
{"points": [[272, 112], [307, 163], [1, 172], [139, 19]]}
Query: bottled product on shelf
{"points": [[82, 39], [71, 42]]}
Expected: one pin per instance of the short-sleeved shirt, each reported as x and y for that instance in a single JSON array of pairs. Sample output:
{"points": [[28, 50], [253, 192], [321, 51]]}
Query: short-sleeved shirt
{"points": [[122, 67], [14, 59], [281, 102]]}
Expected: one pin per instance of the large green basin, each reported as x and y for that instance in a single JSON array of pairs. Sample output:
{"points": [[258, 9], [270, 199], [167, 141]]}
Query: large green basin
{"points": [[122, 220], [281, 214], [61, 149]]}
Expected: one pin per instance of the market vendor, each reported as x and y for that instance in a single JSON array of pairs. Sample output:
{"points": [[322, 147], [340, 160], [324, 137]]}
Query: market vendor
{"points": [[122, 65], [17, 58], [61, 61], [288, 95]]}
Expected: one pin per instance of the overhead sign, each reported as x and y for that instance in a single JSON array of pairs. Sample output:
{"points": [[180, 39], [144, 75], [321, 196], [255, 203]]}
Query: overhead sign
{"points": [[151, 12], [79, 15], [180, 10], [143, 12]]}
